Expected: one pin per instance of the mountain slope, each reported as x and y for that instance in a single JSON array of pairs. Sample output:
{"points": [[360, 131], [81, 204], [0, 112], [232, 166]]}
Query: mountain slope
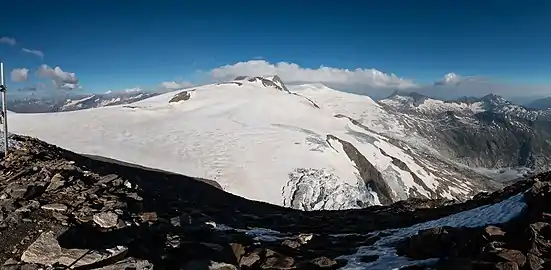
{"points": [[488, 132], [59, 209], [260, 141]]}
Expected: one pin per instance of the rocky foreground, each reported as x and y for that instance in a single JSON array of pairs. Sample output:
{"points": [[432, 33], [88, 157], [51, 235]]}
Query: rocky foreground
{"points": [[62, 210]]}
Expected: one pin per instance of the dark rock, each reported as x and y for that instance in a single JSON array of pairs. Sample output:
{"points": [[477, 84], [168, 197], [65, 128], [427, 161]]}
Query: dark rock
{"points": [[512, 255], [506, 266], [493, 233], [249, 261], [323, 262], [149, 217], [533, 262], [208, 265], [463, 264], [291, 243], [369, 258], [238, 251], [129, 263], [33, 191], [123, 216], [278, 262], [182, 96]]}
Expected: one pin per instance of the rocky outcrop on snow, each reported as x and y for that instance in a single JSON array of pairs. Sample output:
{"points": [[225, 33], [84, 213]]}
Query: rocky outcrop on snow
{"points": [[59, 209], [267, 81], [182, 96]]}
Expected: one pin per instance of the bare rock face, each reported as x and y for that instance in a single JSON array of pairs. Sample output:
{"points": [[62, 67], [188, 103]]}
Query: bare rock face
{"points": [[47, 251], [182, 96], [63, 210]]}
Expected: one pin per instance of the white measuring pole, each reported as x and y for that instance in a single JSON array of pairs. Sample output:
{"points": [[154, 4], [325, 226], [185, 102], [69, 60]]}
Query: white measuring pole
{"points": [[4, 109]]}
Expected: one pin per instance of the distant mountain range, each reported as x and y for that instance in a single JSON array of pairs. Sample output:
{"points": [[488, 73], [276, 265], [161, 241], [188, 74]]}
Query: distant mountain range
{"points": [[74, 102], [542, 103], [486, 132]]}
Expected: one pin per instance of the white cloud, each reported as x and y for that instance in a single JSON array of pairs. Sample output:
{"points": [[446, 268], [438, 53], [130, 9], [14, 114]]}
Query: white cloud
{"points": [[456, 79], [19, 74], [132, 90], [35, 52], [293, 73], [8, 40], [173, 85], [60, 78], [454, 86]]}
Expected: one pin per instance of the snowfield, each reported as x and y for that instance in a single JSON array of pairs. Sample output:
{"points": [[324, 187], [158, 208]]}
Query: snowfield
{"points": [[258, 141]]}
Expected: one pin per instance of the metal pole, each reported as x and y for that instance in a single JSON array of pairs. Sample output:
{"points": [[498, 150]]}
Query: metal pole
{"points": [[4, 109]]}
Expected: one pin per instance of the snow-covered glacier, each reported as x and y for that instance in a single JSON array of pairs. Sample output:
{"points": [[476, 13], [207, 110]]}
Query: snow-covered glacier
{"points": [[307, 147]]}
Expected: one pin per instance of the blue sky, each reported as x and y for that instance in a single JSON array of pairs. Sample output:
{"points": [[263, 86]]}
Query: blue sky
{"points": [[112, 45]]}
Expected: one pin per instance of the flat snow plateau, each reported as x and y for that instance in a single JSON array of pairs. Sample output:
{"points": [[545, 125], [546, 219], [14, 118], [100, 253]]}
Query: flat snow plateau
{"points": [[256, 141]]}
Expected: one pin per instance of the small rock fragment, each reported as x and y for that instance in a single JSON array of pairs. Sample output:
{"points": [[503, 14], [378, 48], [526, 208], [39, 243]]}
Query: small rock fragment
{"points": [[323, 262], [493, 233], [107, 179], [506, 266], [249, 260], [129, 263], [45, 250], [304, 238], [512, 255], [106, 219], [55, 207], [238, 250], [55, 183], [291, 243], [208, 265], [149, 216]]}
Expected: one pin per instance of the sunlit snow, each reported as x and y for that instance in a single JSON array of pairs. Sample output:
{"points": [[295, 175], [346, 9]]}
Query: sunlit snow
{"points": [[248, 136]]}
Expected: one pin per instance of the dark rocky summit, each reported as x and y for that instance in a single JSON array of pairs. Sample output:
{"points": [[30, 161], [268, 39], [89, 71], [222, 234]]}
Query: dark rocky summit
{"points": [[62, 210]]}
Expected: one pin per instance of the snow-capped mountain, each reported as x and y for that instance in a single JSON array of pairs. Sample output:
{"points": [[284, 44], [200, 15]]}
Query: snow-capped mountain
{"points": [[307, 147], [76, 101], [487, 132]]}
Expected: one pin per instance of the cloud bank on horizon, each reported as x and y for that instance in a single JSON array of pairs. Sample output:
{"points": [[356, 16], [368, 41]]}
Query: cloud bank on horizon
{"points": [[365, 81], [376, 83]]}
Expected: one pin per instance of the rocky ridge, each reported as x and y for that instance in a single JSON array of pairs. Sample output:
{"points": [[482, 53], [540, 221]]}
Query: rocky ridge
{"points": [[59, 209]]}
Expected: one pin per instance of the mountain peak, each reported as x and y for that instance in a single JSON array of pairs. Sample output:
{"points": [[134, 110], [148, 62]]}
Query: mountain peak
{"points": [[267, 80], [494, 99]]}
